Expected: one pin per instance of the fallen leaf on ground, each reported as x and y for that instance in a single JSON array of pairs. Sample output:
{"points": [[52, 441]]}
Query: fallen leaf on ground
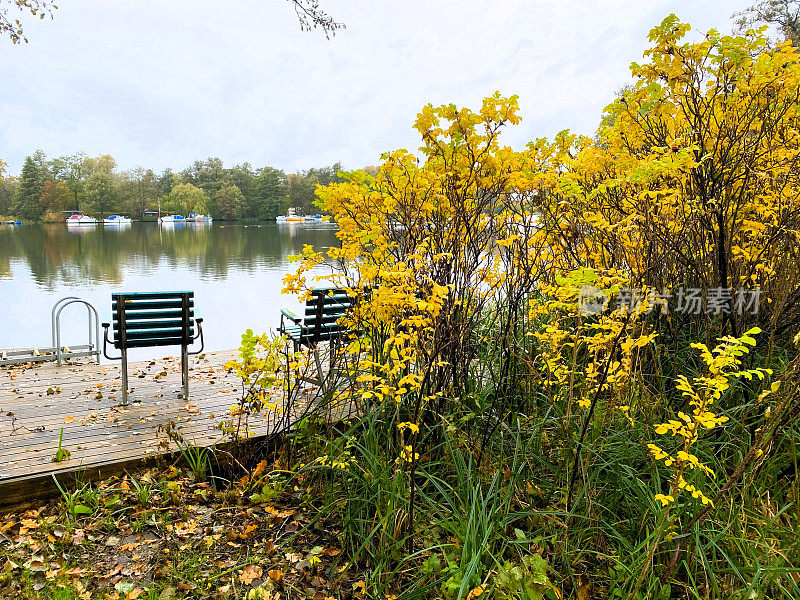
{"points": [[250, 573]]}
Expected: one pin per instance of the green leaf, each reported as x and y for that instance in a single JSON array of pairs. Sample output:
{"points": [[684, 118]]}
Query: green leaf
{"points": [[123, 588]]}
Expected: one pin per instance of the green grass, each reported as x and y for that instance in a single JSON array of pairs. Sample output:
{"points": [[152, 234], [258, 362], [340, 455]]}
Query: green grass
{"points": [[491, 488]]}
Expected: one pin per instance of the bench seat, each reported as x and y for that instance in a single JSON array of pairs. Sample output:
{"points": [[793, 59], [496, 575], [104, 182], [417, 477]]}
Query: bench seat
{"points": [[320, 322], [152, 319]]}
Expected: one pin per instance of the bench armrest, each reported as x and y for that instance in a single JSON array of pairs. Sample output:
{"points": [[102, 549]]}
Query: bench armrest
{"points": [[291, 316], [199, 322], [106, 341]]}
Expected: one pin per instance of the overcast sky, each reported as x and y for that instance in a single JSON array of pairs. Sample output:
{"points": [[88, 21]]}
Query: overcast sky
{"points": [[159, 84]]}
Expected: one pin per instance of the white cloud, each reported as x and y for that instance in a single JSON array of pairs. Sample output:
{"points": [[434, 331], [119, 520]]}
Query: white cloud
{"points": [[162, 84]]}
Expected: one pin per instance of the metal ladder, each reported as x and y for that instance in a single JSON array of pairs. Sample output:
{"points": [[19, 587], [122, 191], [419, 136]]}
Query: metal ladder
{"points": [[56, 351]]}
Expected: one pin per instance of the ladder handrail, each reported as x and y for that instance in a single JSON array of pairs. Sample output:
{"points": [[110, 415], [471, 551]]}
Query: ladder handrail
{"points": [[53, 318], [89, 309]]}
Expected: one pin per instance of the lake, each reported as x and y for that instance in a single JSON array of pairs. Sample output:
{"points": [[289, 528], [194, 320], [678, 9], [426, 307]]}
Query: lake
{"points": [[234, 270]]}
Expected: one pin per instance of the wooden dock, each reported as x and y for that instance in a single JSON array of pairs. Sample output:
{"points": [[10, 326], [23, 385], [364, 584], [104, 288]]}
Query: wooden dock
{"points": [[37, 401]]}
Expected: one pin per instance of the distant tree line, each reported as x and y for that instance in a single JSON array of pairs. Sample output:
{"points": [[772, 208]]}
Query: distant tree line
{"points": [[45, 189]]}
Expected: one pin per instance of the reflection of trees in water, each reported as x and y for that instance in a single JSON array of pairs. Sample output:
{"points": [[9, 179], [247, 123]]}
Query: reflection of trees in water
{"points": [[5, 267], [56, 255], [6, 244]]}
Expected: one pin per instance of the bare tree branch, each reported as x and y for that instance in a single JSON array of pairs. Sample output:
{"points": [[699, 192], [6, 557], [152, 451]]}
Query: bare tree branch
{"points": [[309, 13], [13, 26], [785, 14], [312, 16]]}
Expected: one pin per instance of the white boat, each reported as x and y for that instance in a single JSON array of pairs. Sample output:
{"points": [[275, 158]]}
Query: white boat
{"points": [[173, 219], [290, 217], [116, 220], [79, 219], [198, 218]]}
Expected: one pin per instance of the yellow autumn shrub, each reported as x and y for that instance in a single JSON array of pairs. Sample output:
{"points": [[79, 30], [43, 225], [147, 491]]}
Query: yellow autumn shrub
{"points": [[692, 179]]}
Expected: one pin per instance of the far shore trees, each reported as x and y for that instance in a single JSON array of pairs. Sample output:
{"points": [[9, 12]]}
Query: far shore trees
{"points": [[94, 185], [272, 193], [55, 199], [6, 191], [229, 202], [138, 191], [101, 194], [26, 203], [184, 199]]}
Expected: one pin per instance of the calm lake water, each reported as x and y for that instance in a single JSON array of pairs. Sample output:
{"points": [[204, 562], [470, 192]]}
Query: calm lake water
{"points": [[234, 270]]}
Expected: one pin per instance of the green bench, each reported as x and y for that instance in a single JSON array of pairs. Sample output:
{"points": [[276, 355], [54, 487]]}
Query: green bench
{"points": [[319, 323], [150, 319]]}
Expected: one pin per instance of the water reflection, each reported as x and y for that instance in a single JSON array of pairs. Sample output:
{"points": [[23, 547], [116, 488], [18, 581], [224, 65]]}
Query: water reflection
{"points": [[236, 271], [80, 228], [87, 254], [118, 226]]}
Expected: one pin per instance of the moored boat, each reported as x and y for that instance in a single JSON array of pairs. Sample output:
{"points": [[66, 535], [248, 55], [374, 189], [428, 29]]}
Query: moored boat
{"points": [[116, 220], [173, 219], [81, 219], [290, 217], [198, 218]]}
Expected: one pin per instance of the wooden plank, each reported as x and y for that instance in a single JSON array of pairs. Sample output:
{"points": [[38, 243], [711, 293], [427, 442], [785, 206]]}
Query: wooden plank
{"points": [[71, 416], [36, 487], [102, 373], [133, 439], [196, 433], [50, 375], [214, 399], [42, 463], [82, 434], [102, 436], [138, 435], [117, 434], [141, 388], [53, 409]]}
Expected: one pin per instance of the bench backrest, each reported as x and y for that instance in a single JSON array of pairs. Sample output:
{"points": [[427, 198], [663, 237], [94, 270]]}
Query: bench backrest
{"points": [[147, 319], [325, 307]]}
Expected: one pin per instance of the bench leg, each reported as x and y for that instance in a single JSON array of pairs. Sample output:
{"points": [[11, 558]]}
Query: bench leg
{"points": [[185, 371], [124, 368], [292, 388], [323, 379]]}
